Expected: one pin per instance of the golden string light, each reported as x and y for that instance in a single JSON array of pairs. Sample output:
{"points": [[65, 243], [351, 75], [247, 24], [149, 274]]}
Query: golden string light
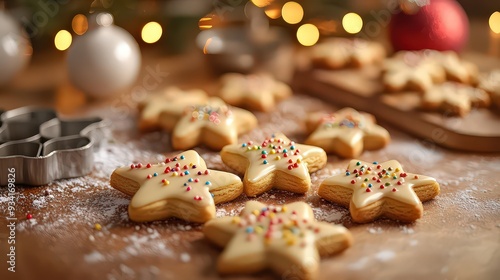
{"points": [[308, 34], [352, 23], [292, 12], [63, 40], [495, 22], [151, 32]]}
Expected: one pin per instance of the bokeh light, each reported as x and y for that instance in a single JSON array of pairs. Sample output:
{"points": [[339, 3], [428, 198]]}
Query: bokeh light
{"points": [[63, 40], [151, 32], [261, 3], [352, 23], [206, 22], [495, 22], [273, 11], [79, 24], [308, 34], [292, 12]]}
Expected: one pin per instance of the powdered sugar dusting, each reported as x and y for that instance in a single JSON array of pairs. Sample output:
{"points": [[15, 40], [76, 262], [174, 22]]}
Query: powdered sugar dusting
{"points": [[65, 213]]}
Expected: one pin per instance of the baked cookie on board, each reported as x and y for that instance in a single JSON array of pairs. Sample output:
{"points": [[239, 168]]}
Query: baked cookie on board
{"points": [[281, 238], [276, 162], [172, 99], [413, 71], [337, 53], [490, 83], [212, 123], [346, 132], [181, 187], [259, 92], [373, 190], [456, 69], [454, 98]]}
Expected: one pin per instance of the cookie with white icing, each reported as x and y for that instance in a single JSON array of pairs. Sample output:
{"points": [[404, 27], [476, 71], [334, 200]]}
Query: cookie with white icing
{"points": [[337, 53], [276, 162], [181, 187], [172, 100], [373, 190], [454, 99], [284, 238], [414, 71], [346, 132], [259, 92], [213, 123]]}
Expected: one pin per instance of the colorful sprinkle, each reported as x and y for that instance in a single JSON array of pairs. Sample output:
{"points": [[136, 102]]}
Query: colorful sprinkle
{"points": [[208, 183], [183, 157], [148, 165], [97, 226], [264, 162]]}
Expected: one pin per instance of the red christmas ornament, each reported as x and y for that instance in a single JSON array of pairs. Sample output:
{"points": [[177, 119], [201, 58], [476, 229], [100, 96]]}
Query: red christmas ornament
{"points": [[440, 25]]}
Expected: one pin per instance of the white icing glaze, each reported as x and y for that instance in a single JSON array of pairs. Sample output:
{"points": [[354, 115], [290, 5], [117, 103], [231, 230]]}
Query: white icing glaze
{"points": [[263, 232], [153, 189], [216, 116], [348, 125], [275, 157], [404, 191]]}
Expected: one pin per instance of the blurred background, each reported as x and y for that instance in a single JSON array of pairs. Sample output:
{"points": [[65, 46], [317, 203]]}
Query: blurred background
{"points": [[51, 55]]}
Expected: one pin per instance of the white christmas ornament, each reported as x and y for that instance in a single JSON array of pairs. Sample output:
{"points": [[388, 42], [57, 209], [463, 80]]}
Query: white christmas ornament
{"points": [[15, 48], [105, 59]]}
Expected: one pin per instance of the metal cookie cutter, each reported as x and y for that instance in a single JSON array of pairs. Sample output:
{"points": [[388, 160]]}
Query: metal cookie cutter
{"points": [[43, 148]]}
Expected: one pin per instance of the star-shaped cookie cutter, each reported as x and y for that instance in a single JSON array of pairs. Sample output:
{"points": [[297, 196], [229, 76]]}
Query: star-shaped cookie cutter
{"points": [[41, 147]]}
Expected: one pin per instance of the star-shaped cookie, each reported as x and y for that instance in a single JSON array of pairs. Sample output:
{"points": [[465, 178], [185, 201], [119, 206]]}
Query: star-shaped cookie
{"points": [[276, 162], [212, 123], [409, 70], [490, 83], [346, 132], [454, 98], [276, 237], [373, 190], [172, 100], [259, 92], [340, 53], [456, 69], [181, 187]]}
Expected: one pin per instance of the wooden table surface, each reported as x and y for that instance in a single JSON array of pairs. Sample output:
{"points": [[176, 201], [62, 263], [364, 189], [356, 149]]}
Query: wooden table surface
{"points": [[457, 238]]}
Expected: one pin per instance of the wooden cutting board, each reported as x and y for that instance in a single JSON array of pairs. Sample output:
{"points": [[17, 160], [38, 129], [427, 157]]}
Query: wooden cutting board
{"points": [[362, 89]]}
